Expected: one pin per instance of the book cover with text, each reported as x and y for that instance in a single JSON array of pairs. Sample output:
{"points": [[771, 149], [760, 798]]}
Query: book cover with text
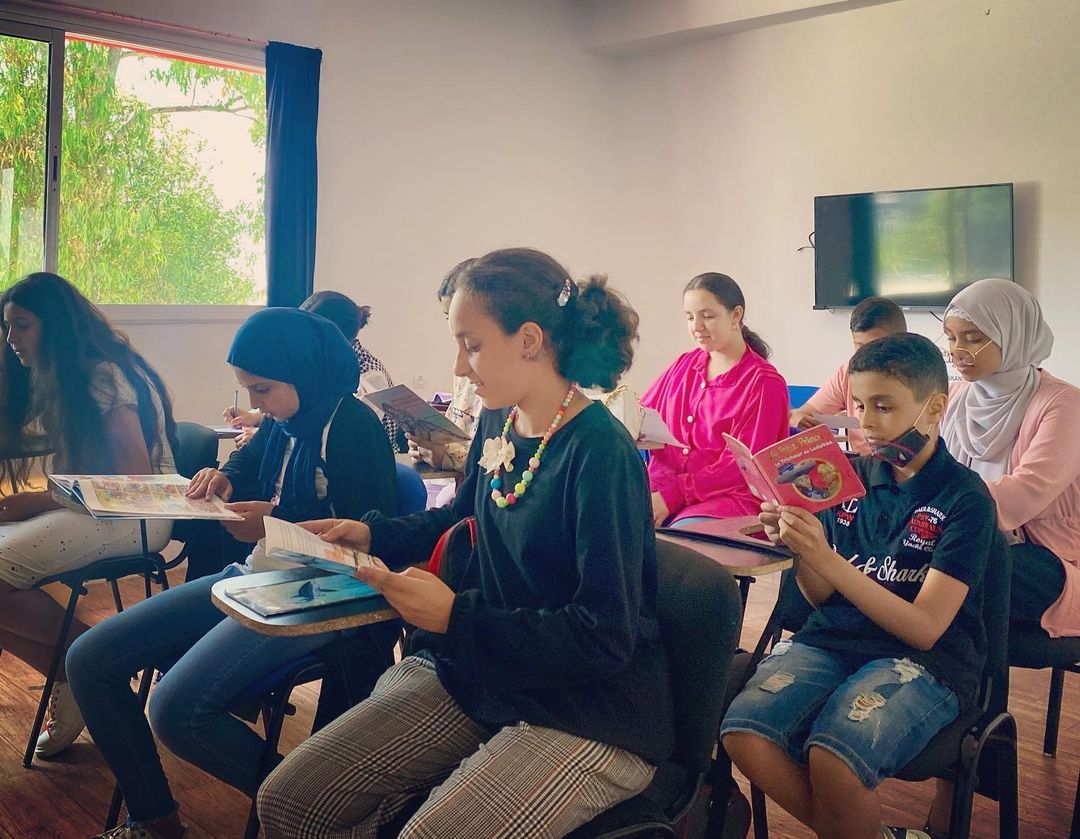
{"points": [[807, 470]]}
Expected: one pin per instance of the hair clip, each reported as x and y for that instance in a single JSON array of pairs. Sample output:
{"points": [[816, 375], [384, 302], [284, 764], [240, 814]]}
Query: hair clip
{"points": [[564, 294]]}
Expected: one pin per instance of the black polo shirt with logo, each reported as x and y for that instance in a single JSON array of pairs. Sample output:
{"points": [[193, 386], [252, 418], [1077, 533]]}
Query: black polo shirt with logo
{"points": [[942, 518]]}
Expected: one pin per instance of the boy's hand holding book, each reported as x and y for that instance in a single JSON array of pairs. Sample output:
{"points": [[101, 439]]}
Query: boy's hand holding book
{"points": [[801, 531]]}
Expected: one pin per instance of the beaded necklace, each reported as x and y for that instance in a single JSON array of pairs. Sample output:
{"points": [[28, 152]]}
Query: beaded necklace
{"points": [[511, 498]]}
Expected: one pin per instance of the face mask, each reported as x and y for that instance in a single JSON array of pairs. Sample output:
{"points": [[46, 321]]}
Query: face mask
{"points": [[901, 450]]}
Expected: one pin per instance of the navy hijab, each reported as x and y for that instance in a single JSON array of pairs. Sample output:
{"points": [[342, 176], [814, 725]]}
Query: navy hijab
{"points": [[310, 353]]}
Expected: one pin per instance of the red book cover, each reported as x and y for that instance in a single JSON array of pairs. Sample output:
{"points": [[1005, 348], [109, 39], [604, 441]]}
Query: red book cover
{"points": [[808, 470]]}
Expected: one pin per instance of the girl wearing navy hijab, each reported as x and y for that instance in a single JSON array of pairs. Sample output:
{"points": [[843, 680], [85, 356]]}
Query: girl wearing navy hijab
{"points": [[322, 453]]}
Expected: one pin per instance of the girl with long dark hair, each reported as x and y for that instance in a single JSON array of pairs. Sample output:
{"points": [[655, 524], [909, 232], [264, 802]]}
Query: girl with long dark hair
{"points": [[74, 387]]}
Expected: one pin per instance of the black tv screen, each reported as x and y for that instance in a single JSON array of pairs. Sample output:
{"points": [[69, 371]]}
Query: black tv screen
{"points": [[918, 247]]}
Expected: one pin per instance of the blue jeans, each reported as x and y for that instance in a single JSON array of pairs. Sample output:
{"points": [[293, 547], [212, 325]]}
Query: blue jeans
{"points": [[876, 718], [215, 660]]}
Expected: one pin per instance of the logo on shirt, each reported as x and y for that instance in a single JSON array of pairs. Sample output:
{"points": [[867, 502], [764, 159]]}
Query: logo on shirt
{"points": [[845, 513], [887, 572], [924, 529]]}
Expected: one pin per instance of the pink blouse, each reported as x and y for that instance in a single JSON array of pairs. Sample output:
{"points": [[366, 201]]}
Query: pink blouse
{"points": [[1041, 492], [749, 402]]}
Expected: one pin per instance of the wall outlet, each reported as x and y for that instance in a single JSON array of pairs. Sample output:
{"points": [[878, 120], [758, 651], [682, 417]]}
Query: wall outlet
{"points": [[417, 380]]}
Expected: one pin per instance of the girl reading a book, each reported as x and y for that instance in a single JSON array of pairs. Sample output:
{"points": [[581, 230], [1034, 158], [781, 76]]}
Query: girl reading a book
{"points": [[464, 409], [75, 391], [350, 319], [318, 452], [540, 677], [1014, 423], [725, 384]]}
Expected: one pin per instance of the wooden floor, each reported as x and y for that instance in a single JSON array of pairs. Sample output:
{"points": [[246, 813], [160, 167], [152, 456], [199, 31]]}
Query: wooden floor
{"points": [[68, 797]]}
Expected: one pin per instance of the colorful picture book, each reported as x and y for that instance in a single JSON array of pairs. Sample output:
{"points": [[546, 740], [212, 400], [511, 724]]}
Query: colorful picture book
{"points": [[290, 542], [414, 415], [301, 595], [807, 470], [743, 532], [136, 496]]}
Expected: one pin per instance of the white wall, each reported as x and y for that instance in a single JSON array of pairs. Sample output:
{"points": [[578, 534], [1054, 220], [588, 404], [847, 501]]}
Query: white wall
{"points": [[449, 128], [445, 130], [725, 143]]}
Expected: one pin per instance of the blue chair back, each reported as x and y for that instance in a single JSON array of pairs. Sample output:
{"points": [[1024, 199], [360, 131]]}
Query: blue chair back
{"points": [[411, 495], [798, 394]]}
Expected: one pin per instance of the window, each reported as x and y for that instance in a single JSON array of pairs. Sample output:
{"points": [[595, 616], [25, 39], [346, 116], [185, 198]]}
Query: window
{"points": [[159, 166]]}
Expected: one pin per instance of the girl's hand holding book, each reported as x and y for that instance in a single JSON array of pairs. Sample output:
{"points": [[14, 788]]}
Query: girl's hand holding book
{"points": [[251, 529], [353, 534], [420, 597], [210, 482]]}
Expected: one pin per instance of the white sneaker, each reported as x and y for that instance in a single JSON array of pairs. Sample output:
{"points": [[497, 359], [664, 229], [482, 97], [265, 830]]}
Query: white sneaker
{"points": [[63, 723]]}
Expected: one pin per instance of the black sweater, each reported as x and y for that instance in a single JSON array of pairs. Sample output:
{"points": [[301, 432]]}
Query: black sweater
{"points": [[554, 622], [360, 470]]}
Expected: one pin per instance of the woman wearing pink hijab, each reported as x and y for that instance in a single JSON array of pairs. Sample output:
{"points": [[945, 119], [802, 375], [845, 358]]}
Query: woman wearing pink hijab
{"points": [[1014, 424]]}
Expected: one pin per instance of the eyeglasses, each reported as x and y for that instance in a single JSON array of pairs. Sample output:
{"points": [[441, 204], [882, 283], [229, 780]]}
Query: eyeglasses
{"points": [[959, 356]]}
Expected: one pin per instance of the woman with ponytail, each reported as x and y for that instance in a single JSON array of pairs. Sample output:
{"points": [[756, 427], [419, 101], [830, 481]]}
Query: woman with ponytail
{"points": [[538, 694], [726, 385]]}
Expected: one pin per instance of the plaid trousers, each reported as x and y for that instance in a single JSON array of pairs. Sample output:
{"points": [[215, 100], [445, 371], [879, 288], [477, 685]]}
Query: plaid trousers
{"points": [[408, 736]]}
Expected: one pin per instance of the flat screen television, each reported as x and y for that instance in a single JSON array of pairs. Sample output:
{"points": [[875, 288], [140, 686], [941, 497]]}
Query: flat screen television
{"points": [[918, 247]]}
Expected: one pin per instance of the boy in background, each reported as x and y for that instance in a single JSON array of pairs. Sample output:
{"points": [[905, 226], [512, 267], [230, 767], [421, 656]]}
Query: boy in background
{"points": [[873, 318]]}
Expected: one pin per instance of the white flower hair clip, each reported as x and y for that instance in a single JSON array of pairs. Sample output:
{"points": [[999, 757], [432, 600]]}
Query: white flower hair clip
{"points": [[564, 294], [498, 451]]}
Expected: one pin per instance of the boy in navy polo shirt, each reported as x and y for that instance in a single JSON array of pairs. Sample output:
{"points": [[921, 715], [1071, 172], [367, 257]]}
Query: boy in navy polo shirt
{"points": [[896, 644]]}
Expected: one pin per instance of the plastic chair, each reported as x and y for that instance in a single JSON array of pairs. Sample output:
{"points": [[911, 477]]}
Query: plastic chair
{"points": [[956, 752], [700, 613], [798, 394], [411, 494]]}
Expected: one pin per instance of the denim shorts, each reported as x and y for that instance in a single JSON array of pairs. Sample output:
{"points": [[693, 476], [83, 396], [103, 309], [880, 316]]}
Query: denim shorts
{"points": [[876, 717]]}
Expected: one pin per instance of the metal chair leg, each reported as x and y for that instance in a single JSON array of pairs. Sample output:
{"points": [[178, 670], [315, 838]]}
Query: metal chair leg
{"points": [[1053, 711], [1076, 810], [50, 678], [761, 815], [117, 602]]}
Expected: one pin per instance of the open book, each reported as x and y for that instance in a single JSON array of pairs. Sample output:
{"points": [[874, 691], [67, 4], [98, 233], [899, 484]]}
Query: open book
{"points": [[290, 542], [136, 496], [644, 424], [414, 415], [301, 595], [808, 470]]}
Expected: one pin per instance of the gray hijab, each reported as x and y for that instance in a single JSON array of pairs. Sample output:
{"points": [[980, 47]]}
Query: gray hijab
{"points": [[982, 424]]}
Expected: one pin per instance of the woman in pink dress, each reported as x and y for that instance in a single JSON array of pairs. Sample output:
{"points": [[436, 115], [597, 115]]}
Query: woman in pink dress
{"points": [[725, 385]]}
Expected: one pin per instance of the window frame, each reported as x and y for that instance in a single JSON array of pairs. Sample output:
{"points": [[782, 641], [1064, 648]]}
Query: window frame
{"points": [[27, 19]]}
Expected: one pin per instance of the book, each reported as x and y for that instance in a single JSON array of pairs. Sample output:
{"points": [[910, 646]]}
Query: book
{"points": [[744, 532], [655, 430], [411, 413], [644, 424], [807, 470], [839, 421], [301, 595], [136, 496], [290, 542]]}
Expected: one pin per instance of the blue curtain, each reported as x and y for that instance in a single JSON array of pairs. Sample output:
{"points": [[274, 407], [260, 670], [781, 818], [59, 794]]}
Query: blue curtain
{"points": [[292, 172]]}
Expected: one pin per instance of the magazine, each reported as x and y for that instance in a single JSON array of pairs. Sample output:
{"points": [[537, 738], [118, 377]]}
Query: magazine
{"points": [[290, 542], [744, 532], [411, 413], [136, 496], [301, 595], [808, 470]]}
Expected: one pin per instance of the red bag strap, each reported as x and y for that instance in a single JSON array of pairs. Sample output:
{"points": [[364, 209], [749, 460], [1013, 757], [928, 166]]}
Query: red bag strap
{"points": [[435, 562]]}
